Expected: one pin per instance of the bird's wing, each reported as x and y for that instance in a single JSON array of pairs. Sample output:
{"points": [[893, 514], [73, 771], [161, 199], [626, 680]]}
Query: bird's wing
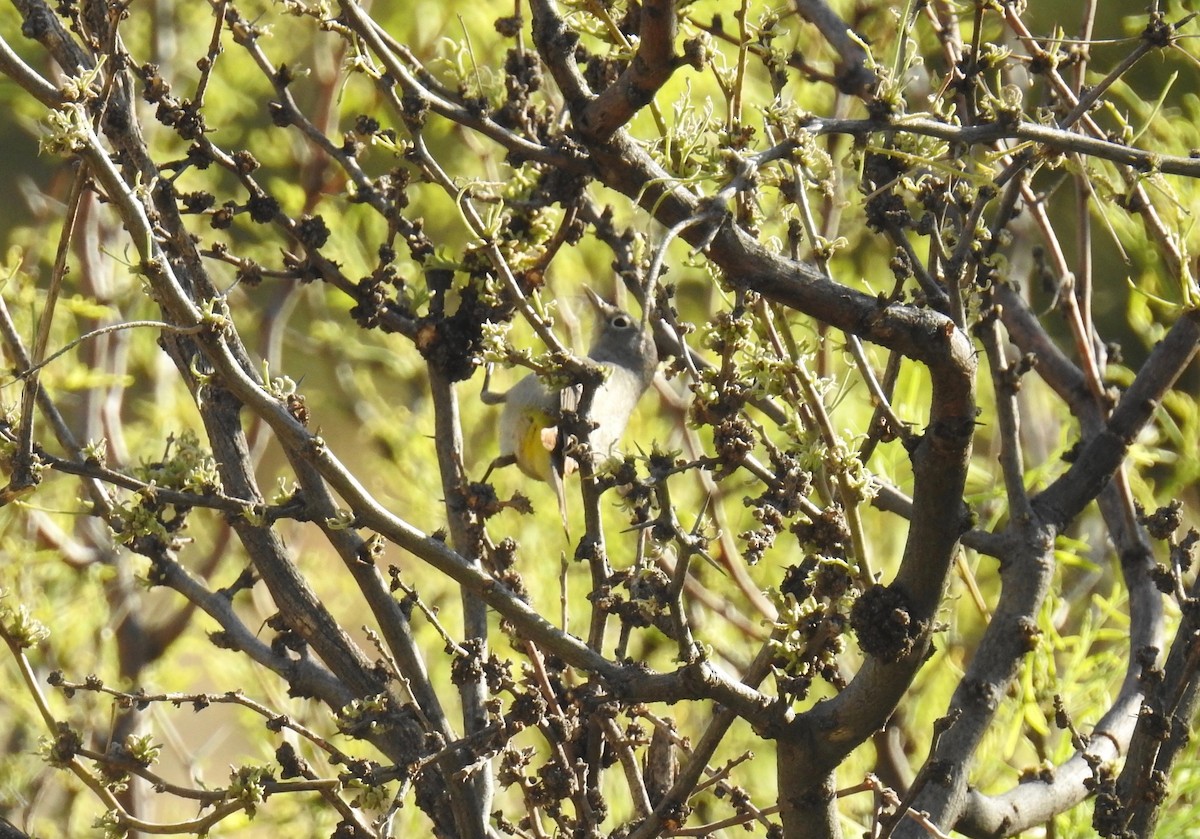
{"points": [[568, 400], [568, 397]]}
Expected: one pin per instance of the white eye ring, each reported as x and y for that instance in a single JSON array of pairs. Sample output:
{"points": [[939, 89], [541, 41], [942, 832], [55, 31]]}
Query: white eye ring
{"points": [[620, 322]]}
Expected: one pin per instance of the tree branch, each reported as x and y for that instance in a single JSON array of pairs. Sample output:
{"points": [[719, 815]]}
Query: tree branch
{"points": [[649, 69], [853, 74]]}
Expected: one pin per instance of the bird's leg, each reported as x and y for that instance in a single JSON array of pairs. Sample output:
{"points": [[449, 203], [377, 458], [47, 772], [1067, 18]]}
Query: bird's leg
{"points": [[487, 396], [490, 397], [497, 463]]}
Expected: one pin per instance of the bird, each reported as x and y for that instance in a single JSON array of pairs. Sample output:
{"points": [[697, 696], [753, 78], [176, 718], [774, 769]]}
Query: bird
{"points": [[529, 423]]}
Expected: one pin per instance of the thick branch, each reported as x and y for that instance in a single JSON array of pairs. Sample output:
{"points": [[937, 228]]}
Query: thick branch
{"points": [[807, 806], [472, 691], [1101, 456], [1162, 731], [1010, 635], [650, 68]]}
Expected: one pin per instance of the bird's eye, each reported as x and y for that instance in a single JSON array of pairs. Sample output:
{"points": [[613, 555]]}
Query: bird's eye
{"points": [[621, 322]]}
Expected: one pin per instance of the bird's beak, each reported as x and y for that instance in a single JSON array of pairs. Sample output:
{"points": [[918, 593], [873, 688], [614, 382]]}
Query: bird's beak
{"points": [[598, 303]]}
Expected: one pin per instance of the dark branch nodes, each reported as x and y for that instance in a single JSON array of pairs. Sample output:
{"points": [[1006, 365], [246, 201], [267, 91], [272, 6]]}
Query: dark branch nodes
{"points": [[1164, 525], [883, 622]]}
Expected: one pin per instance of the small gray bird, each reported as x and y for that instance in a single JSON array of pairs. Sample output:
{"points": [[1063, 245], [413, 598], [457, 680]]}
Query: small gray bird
{"points": [[529, 433]]}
